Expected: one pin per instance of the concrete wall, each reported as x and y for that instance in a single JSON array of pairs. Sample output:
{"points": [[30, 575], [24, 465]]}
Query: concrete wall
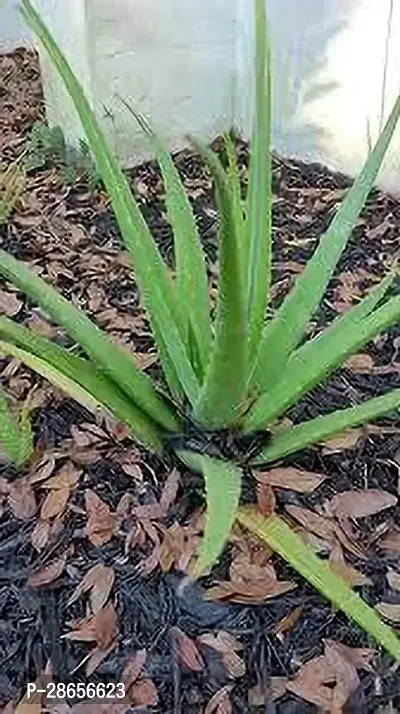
{"points": [[187, 65], [12, 31], [172, 60]]}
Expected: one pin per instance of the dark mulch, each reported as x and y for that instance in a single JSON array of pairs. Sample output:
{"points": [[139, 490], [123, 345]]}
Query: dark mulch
{"points": [[71, 237]]}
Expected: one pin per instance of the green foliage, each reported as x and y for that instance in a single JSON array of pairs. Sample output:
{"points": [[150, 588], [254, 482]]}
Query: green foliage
{"points": [[46, 148], [238, 372], [16, 438]]}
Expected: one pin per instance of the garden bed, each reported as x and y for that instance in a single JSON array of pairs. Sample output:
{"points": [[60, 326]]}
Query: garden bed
{"points": [[110, 504]]}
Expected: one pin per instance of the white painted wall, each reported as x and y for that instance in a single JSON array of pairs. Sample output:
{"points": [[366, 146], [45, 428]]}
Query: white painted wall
{"points": [[12, 31], [187, 65], [340, 91], [173, 60]]}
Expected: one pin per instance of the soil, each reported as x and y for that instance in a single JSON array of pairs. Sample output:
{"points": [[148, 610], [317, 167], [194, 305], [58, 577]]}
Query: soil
{"points": [[69, 234]]}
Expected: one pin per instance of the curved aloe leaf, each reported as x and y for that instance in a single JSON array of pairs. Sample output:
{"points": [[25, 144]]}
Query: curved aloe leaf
{"points": [[16, 437], [225, 382], [284, 541], [115, 363], [190, 268], [223, 482], [88, 399], [297, 437], [311, 364], [150, 270], [283, 333], [100, 390], [259, 194]]}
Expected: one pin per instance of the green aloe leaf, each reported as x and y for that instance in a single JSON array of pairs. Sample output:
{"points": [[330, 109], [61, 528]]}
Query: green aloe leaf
{"points": [[225, 382], [233, 177], [259, 194], [294, 438], [16, 437], [223, 483], [97, 388], [80, 394], [150, 271], [190, 268], [115, 363], [284, 541], [177, 351], [284, 331], [313, 362]]}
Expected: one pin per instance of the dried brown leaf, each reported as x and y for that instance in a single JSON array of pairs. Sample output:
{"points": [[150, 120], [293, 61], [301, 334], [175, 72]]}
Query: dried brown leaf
{"points": [[10, 305], [227, 645], [187, 650], [221, 641], [360, 657], [220, 702], [259, 695], [106, 626], [311, 521], [54, 503], [266, 502], [49, 573], [391, 542], [125, 506], [346, 677], [249, 583], [100, 628], [33, 705], [43, 470], [5, 486], [393, 578], [132, 469], [360, 504], [22, 501], [133, 668], [172, 546], [84, 630], [291, 478], [380, 229], [99, 579], [347, 440], [234, 664], [144, 693], [148, 512], [97, 656], [311, 682], [389, 611], [83, 438], [349, 543], [67, 477], [349, 574], [223, 591], [287, 623], [361, 363], [169, 491], [40, 535], [10, 709], [101, 522]]}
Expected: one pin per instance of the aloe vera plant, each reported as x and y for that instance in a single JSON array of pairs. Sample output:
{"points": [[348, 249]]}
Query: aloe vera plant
{"points": [[231, 375]]}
